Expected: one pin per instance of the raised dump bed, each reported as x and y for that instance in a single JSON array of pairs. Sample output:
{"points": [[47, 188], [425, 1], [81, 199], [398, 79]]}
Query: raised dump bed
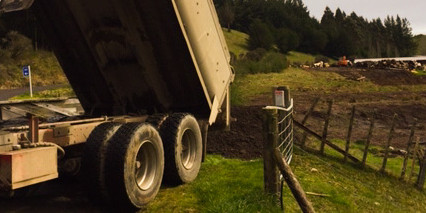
{"points": [[126, 57]]}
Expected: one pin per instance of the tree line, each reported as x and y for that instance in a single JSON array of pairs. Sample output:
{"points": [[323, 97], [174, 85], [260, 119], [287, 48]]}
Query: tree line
{"points": [[283, 25], [287, 25]]}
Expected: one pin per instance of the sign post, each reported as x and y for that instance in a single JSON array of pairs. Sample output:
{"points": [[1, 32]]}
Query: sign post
{"points": [[26, 71]]}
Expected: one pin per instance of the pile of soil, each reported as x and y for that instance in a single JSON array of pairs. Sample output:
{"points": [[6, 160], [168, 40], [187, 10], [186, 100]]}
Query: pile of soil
{"points": [[377, 76], [244, 140], [390, 64]]}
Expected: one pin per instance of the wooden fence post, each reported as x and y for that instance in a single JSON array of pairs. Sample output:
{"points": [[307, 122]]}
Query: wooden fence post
{"points": [[367, 143], [293, 184], [385, 159], [270, 135], [416, 147], [348, 138], [307, 115], [410, 141], [326, 123], [422, 173], [287, 96]]}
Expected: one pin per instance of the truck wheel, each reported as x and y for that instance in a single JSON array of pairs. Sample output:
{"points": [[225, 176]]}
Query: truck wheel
{"points": [[182, 148], [93, 162], [157, 119], [134, 165]]}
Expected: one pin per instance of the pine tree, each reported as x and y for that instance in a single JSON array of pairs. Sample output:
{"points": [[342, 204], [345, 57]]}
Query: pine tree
{"points": [[226, 14]]}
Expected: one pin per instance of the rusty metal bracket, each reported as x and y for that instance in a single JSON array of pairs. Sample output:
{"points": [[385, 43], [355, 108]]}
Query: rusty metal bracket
{"points": [[33, 133]]}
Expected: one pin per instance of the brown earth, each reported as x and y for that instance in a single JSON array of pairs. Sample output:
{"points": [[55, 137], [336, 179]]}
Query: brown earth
{"points": [[377, 76], [245, 138]]}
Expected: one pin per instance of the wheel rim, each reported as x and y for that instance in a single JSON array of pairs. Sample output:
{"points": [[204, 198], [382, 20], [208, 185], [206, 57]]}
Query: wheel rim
{"points": [[189, 149], [146, 164]]}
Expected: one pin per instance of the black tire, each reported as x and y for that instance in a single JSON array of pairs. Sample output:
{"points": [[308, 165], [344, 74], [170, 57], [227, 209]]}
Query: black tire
{"points": [[157, 119], [93, 162], [134, 165], [182, 148]]}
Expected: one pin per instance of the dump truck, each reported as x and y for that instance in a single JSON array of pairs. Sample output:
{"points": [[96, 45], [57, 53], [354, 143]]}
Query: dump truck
{"points": [[151, 76]]}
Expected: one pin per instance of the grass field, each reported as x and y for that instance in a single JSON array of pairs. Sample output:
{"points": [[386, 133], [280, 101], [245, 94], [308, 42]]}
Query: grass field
{"points": [[229, 185], [236, 41], [374, 158], [295, 57], [223, 185], [247, 87]]}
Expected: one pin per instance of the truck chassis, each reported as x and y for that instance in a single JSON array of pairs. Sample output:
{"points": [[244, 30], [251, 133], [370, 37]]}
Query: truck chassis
{"points": [[34, 153]]}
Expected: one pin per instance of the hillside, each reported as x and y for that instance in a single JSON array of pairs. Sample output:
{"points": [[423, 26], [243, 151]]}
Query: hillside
{"points": [[237, 44], [236, 41], [16, 51], [421, 41]]}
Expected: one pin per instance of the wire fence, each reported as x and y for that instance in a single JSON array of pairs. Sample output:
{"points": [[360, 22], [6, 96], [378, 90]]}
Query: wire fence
{"points": [[415, 150], [278, 136], [286, 133]]}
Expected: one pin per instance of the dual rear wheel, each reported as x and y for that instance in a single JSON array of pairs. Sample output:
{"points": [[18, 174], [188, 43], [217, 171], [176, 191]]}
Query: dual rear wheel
{"points": [[182, 148], [126, 163]]}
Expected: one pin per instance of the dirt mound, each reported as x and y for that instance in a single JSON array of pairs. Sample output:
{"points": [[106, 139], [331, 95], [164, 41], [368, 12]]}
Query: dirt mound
{"points": [[245, 140], [377, 76], [389, 64]]}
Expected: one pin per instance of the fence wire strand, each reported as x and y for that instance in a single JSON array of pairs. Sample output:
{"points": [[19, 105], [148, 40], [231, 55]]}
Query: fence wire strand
{"points": [[285, 127]]}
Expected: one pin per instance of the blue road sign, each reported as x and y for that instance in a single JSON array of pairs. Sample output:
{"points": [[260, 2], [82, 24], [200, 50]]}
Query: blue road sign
{"points": [[26, 71]]}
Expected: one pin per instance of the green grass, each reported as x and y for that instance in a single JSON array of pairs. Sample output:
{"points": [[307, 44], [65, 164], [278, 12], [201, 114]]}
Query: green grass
{"points": [[236, 41], [295, 57], [229, 185], [374, 158], [223, 185], [419, 72], [270, 62], [247, 87], [45, 70], [55, 93], [352, 189]]}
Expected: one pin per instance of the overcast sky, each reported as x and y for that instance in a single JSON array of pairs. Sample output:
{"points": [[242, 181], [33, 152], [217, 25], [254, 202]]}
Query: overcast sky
{"points": [[413, 10]]}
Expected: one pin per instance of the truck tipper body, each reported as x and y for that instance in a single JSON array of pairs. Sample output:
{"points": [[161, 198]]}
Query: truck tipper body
{"points": [[126, 57], [151, 76]]}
